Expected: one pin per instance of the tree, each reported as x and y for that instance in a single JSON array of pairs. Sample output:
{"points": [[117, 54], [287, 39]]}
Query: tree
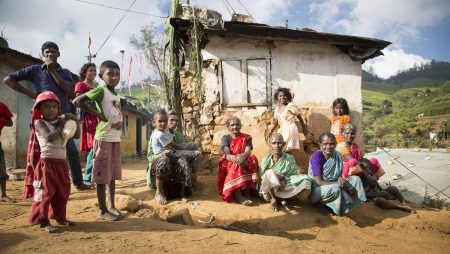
{"points": [[152, 48]]}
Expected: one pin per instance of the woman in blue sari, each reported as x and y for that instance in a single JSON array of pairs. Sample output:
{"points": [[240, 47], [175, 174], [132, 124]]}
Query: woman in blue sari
{"points": [[329, 187]]}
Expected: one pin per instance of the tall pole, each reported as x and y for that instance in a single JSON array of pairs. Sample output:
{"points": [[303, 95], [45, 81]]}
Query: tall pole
{"points": [[121, 72]]}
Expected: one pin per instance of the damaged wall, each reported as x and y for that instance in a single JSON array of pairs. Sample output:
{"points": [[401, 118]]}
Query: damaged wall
{"points": [[316, 74]]}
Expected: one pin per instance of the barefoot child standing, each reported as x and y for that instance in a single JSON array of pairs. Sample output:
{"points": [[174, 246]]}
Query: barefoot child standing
{"points": [[51, 175], [107, 161]]}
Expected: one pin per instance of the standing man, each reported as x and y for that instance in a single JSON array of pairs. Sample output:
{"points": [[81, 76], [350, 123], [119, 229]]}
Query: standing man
{"points": [[49, 76]]}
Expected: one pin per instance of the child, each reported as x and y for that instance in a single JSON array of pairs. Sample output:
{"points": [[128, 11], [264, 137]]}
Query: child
{"points": [[178, 137], [5, 120], [377, 194], [107, 159], [89, 121], [339, 118], [173, 162], [51, 176]]}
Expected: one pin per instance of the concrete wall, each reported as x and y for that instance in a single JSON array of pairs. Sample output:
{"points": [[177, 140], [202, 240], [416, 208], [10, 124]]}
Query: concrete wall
{"points": [[316, 74], [15, 139], [128, 144]]}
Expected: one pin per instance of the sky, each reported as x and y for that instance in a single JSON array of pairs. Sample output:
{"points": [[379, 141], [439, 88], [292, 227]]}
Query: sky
{"points": [[418, 29]]}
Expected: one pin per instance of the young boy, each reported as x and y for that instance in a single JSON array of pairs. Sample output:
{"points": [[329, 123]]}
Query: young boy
{"points": [[5, 120], [107, 158], [51, 178], [49, 76], [173, 162], [380, 196]]}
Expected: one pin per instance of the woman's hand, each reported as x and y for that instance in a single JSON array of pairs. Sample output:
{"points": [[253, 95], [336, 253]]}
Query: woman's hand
{"points": [[239, 159], [341, 182]]}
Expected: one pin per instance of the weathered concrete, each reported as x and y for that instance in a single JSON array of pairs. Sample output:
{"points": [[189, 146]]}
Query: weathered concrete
{"points": [[433, 167], [316, 74]]}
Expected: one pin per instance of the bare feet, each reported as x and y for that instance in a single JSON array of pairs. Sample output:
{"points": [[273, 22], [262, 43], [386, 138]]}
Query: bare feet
{"points": [[186, 199], [286, 205], [66, 223], [8, 199], [161, 198], [49, 228], [107, 216], [115, 212], [273, 206]]}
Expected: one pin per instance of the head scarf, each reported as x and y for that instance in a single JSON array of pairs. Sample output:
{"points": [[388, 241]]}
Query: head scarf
{"points": [[44, 96]]}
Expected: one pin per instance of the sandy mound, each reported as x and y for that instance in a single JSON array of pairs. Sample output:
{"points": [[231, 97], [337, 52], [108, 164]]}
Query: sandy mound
{"points": [[235, 228]]}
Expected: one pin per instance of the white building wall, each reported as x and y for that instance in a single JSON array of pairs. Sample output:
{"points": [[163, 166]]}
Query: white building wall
{"points": [[316, 74]]}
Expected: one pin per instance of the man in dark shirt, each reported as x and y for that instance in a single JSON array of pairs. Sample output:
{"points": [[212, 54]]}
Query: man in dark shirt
{"points": [[50, 76]]}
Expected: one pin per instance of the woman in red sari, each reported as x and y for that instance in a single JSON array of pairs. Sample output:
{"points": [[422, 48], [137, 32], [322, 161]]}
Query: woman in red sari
{"points": [[88, 121], [238, 168]]}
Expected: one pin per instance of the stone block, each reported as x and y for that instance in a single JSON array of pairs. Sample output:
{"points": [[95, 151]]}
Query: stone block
{"points": [[182, 217], [126, 203]]}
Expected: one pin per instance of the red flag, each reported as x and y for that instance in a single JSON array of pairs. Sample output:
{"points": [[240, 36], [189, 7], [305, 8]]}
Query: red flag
{"points": [[129, 73]]}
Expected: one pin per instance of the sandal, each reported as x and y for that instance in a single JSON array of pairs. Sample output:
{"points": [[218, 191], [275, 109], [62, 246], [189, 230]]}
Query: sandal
{"points": [[49, 228], [66, 223], [108, 216]]}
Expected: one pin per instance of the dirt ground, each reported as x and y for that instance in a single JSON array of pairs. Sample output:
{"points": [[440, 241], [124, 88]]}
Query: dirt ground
{"points": [[235, 228]]}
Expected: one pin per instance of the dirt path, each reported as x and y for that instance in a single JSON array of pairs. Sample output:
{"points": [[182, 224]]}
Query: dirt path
{"points": [[234, 229]]}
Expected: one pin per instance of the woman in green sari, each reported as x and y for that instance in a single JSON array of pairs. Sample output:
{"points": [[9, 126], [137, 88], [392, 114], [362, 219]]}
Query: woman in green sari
{"points": [[280, 179], [329, 187]]}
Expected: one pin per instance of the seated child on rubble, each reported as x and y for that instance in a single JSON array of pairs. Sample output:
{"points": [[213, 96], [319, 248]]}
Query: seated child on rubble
{"points": [[174, 160]]}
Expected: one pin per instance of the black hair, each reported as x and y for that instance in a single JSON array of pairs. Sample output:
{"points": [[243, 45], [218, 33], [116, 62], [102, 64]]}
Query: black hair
{"points": [[49, 45], [365, 164], [285, 91], [326, 135], [235, 118], [344, 104], [172, 113], [84, 69], [108, 64], [160, 112]]}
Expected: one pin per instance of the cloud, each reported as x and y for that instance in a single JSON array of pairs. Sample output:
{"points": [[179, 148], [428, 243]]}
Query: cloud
{"points": [[29, 23], [393, 61], [264, 11], [397, 21]]}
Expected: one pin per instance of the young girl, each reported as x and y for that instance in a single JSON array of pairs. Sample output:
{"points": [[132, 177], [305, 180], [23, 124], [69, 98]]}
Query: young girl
{"points": [[51, 176], [339, 118], [374, 192]]}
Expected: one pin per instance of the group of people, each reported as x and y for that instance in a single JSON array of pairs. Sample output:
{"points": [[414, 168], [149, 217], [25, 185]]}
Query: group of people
{"points": [[338, 176], [54, 124]]}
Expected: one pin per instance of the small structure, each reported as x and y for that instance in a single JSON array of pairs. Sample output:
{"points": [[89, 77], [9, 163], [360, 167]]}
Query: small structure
{"points": [[243, 65], [135, 131], [15, 139]]}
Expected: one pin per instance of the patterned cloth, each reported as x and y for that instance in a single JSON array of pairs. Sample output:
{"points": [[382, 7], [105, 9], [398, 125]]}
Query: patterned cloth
{"points": [[337, 122], [332, 195], [232, 176], [287, 167]]}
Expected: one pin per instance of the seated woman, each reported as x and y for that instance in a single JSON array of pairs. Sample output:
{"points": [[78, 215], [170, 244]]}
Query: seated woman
{"points": [[350, 150], [238, 168], [329, 187], [374, 191], [280, 179]]}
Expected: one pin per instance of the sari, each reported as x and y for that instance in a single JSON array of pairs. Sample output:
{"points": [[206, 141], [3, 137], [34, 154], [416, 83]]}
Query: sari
{"points": [[286, 166], [332, 195], [354, 152], [232, 176]]}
